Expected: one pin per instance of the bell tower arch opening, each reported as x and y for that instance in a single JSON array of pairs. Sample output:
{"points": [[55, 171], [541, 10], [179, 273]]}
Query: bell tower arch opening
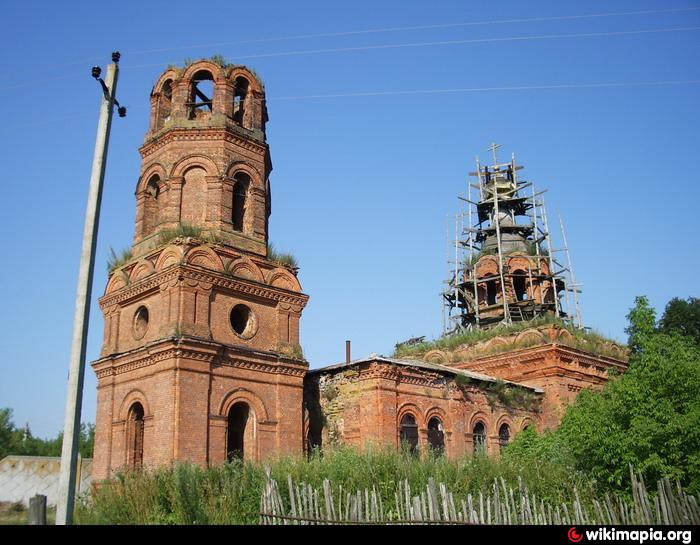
{"points": [[201, 96]]}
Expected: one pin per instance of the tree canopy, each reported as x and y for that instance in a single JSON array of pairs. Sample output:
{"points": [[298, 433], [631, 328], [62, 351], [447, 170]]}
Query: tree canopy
{"points": [[20, 441], [682, 316], [648, 417]]}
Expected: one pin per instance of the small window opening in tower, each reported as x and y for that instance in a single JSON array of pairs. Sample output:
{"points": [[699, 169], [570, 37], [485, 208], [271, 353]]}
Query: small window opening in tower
{"points": [[240, 195], [491, 292], [201, 99], [165, 103], [520, 285], [152, 187], [239, 98], [240, 319]]}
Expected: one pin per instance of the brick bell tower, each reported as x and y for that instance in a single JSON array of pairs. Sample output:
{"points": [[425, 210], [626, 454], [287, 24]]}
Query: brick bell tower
{"points": [[201, 358]]}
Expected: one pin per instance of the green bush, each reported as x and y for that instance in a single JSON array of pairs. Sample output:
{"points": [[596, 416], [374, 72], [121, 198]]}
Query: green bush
{"points": [[648, 418]]}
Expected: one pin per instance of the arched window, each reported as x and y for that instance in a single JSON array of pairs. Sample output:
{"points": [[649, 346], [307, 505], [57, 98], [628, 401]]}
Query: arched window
{"points": [[520, 285], [503, 435], [201, 99], [408, 433], [436, 435], [241, 432], [150, 204], [165, 104], [479, 438], [549, 295], [491, 292], [239, 98], [240, 196], [135, 436]]}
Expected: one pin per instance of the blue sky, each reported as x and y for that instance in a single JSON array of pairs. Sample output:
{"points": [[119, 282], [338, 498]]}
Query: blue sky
{"points": [[362, 183]]}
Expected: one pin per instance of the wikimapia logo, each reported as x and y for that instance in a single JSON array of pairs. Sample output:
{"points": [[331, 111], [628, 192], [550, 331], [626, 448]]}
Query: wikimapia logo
{"points": [[637, 536]]}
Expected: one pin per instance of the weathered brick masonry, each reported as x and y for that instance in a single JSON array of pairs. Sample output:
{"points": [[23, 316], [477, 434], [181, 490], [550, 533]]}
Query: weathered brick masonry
{"points": [[201, 358]]}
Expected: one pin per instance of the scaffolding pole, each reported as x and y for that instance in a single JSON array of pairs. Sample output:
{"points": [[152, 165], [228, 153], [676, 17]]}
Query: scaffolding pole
{"points": [[551, 260], [506, 311], [574, 285]]}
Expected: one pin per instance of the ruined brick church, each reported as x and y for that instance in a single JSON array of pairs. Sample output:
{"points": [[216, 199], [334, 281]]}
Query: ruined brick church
{"points": [[201, 358]]}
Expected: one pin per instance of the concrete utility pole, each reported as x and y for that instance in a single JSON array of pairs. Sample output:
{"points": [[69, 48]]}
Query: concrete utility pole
{"points": [[74, 401]]}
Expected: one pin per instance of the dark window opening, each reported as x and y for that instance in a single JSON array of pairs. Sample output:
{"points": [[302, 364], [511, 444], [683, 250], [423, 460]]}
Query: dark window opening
{"points": [[479, 438], [201, 99], [408, 433], [237, 422], [504, 435], [150, 205], [240, 318], [520, 285], [135, 433], [239, 99], [491, 292], [240, 196], [165, 103], [436, 435], [140, 322], [152, 188]]}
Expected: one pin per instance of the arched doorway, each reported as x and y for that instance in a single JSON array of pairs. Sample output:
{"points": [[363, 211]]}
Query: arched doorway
{"points": [[135, 436], [240, 436], [436, 435], [408, 432]]}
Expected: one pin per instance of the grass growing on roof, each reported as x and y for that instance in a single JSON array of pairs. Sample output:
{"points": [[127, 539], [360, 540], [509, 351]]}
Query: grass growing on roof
{"points": [[116, 260], [286, 259], [582, 339]]}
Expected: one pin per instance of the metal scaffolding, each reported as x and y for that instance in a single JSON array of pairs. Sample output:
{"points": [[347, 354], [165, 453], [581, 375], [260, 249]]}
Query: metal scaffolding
{"points": [[502, 266]]}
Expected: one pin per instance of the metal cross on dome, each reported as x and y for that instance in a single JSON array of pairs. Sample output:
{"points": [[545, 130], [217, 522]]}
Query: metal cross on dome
{"points": [[492, 148]]}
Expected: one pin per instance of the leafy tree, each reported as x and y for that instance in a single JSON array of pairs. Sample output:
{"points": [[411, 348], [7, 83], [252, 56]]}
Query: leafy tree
{"points": [[7, 432], [682, 316], [642, 322], [20, 441], [648, 417]]}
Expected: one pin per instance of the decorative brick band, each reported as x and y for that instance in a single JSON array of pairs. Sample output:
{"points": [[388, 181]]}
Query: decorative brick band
{"points": [[200, 134], [183, 271]]}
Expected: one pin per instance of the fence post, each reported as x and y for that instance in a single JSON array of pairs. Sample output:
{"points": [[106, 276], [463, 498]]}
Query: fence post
{"points": [[37, 510]]}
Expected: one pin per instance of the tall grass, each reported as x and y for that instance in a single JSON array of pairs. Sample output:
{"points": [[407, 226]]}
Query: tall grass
{"points": [[230, 494]]}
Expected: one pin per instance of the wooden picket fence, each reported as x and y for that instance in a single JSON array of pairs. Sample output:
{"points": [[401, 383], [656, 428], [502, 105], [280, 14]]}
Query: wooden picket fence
{"points": [[501, 505]]}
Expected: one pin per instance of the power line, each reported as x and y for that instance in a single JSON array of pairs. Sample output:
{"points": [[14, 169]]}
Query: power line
{"points": [[451, 42], [478, 89], [413, 28], [383, 30]]}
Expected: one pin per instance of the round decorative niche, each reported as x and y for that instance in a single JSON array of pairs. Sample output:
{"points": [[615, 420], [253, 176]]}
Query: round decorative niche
{"points": [[243, 321], [140, 325]]}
